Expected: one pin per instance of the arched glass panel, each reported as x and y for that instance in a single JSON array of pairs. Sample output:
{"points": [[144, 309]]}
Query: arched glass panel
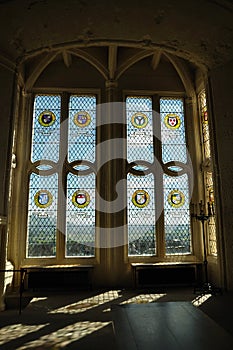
{"points": [[208, 175], [82, 123], [80, 220], [172, 130], [42, 216], [176, 215], [141, 215], [139, 129], [46, 128], [78, 141]]}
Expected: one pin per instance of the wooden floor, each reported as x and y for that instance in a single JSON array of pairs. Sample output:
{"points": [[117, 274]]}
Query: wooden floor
{"points": [[83, 319], [167, 326]]}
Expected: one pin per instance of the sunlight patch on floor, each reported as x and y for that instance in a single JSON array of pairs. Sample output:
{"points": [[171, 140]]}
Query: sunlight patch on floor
{"points": [[35, 300], [64, 336], [88, 303], [140, 299], [9, 333], [200, 299], [143, 298]]}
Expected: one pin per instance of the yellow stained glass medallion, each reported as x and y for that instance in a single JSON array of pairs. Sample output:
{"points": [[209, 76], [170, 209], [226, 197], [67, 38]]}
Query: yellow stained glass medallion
{"points": [[43, 199], [47, 118], [172, 121], [139, 120], [140, 198], [82, 119], [176, 198]]}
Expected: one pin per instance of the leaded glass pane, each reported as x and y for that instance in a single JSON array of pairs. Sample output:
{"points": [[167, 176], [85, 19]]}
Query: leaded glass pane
{"points": [[139, 129], [42, 216], [176, 215], [46, 128], [82, 123], [80, 220], [173, 130], [205, 124], [212, 244], [141, 215], [212, 236], [211, 223]]}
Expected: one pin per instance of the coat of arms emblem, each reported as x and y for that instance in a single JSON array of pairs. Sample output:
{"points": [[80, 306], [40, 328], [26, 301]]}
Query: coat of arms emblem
{"points": [[172, 121]]}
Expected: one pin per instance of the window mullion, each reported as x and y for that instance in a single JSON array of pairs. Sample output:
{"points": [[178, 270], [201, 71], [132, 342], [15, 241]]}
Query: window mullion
{"points": [[62, 178], [158, 174]]}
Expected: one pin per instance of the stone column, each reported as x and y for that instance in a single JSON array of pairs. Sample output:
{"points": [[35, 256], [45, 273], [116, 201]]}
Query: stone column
{"points": [[110, 178]]}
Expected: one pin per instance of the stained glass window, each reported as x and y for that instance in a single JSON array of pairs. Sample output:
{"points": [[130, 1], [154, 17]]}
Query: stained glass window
{"points": [[141, 215], [44, 191], [139, 128], [149, 176], [176, 215], [42, 216], [208, 176], [80, 221], [205, 124], [82, 110], [46, 128], [177, 228], [172, 130], [212, 243]]}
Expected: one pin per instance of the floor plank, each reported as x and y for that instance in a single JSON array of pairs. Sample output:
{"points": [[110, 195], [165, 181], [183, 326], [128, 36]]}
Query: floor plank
{"points": [[167, 325]]}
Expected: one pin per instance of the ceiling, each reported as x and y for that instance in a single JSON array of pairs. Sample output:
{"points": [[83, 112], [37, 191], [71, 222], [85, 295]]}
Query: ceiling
{"points": [[200, 31]]}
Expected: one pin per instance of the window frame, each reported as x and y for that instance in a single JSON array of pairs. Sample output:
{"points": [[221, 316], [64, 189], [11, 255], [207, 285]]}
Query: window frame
{"points": [[60, 257], [207, 171], [27, 112], [160, 234]]}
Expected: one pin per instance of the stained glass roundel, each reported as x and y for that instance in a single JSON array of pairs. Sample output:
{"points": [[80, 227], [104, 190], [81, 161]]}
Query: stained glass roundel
{"points": [[82, 119], [47, 118], [140, 198], [176, 198], [81, 198], [139, 120], [43, 199], [172, 121]]}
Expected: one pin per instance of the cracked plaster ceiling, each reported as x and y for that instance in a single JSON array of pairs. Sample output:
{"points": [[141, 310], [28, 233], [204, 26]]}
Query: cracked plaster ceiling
{"points": [[199, 31]]}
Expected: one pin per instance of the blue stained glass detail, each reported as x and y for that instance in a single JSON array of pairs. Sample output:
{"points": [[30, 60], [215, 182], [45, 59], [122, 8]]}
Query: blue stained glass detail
{"points": [[80, 220], [141, 219], [176, 215], [46, 139], [42, 219], [82, 124], [139, 129], [173, 130]]}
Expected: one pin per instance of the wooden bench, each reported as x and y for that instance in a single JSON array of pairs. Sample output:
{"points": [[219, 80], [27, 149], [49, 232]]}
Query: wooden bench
{"points": [[167, 326], [166, 273]]}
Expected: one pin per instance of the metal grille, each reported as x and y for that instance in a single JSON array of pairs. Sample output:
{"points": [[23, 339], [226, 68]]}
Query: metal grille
{"points": [[46, 128], [139, 129], [172, 130], [80, 220], [141, 215], [82, 122], [176, 215], [42, 216]]}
